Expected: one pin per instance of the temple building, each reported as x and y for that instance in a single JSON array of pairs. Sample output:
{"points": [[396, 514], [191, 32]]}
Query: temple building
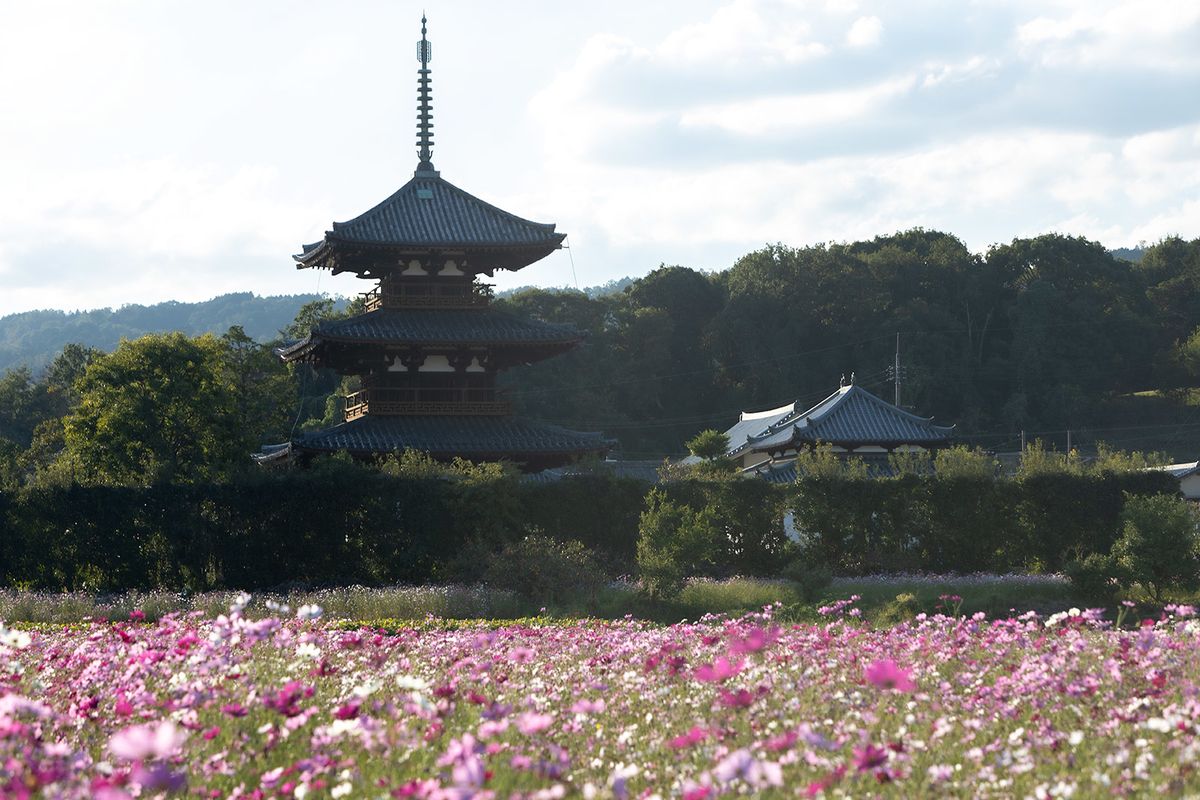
{"points": [[852, 421], [429, 346]]}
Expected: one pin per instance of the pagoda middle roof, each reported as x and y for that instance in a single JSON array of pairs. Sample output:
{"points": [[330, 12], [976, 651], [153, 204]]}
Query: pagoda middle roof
{"points": [[436, 326], [431, 213]]}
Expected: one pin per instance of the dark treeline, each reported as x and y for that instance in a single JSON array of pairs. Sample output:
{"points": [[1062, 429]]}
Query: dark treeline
{"points": [[341, 523], [1044, 335]]}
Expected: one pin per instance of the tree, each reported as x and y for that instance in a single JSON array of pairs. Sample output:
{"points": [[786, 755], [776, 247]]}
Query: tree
{"points": [[709, 445], [1157, 548], [155, 410], [263, 392], [674, 542]]}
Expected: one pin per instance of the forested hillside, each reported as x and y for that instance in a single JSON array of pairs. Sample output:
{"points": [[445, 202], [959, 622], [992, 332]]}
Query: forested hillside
{"points": [[34, 338], [1046, 335], [1052, 336]]}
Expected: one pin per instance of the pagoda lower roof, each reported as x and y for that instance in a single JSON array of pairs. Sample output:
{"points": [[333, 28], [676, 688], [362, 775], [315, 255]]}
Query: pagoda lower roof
{"points": [[488, 438], [452, 327], [428, 213]]}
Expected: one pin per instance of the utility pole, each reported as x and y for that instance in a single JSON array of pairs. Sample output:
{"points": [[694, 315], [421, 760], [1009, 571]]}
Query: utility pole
{"points": [[897, 369]]}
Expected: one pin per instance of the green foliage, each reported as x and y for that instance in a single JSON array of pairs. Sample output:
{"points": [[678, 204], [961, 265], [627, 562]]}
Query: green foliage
{"points": [[822, 462], [264, 395], [543, 569], [961, 461], [911, 463], [11, 466], [1096, 578], [810, 580], [709, 445], [674, 542], [1158, 544], [155, 410]]}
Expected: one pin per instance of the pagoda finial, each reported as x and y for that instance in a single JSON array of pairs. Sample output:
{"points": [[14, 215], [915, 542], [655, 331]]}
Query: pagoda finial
{"points": [[424, 103]]}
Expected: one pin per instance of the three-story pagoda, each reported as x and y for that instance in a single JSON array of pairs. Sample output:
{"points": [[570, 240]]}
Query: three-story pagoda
{"points": [[429, 346]]}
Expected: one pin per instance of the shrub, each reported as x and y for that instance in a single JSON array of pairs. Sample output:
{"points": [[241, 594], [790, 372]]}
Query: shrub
{"points": [[540, 568], [810, 580], [1157, 548], [1095, 578], [674, 542]]}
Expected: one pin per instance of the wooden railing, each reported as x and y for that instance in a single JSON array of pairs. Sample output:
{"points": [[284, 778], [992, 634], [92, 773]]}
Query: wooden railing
{"points": [[404, 293], [430, 402]]}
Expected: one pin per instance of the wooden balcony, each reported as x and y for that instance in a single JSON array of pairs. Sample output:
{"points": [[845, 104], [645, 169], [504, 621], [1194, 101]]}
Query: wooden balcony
{"points": [[405, 293], [428, 402]]}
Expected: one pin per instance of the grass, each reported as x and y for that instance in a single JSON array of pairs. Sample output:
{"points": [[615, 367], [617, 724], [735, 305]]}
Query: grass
{"points": [[884, 599]]}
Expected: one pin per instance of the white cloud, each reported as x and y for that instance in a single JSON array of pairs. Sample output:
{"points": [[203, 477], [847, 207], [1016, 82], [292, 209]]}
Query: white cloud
{"points": [[971, 69], [1130, 32], [774, 115], [865, 32], [739, 33]]}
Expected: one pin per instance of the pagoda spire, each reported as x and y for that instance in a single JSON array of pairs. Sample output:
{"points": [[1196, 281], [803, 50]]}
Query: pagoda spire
{"points": [[424, 103]]}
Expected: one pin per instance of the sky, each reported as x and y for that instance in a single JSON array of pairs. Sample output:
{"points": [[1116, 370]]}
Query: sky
{"points": [[155, 151]]}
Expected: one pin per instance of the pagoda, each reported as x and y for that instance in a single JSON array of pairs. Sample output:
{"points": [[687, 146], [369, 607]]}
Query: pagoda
{"points": [[429, 346]]}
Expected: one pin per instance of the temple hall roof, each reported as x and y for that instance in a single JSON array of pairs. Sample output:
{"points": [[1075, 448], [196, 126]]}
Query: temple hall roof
{"points": [[430, 213], [486, 326], [752, 423], [851, 415]]}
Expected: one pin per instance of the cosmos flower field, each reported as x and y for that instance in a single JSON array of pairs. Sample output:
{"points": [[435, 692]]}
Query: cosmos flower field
{"points": [[294, 706]]}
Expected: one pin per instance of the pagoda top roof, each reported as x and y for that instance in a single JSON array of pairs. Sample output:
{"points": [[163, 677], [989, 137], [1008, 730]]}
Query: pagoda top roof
{"points": [[437, 326], [450, 436], [429, 213], [851, 415]]}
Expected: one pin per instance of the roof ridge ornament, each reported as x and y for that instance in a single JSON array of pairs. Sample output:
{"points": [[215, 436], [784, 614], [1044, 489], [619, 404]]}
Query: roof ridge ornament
{"points": [[424, 104]]}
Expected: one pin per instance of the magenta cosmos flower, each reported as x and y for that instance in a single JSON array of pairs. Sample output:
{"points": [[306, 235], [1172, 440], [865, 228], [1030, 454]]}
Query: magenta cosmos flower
{"points": [[887, 675]]}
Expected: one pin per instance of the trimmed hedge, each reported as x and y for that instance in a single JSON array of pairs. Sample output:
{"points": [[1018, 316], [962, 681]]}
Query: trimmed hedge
{"points": [[342, 523]]}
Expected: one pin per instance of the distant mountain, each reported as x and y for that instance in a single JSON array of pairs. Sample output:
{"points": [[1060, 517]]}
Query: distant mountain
{"points": [[35, 338], [1129, 253]]}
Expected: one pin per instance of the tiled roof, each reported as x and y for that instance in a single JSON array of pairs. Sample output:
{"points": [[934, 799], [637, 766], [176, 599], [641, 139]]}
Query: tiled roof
{"points": [[852, 415], [753, 423], [451, 436], [452, 326], [428, 212], [1181, 470]]}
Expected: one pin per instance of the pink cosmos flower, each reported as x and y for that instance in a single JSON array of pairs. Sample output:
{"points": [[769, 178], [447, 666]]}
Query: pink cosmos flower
{"points": [[695, 735], [739, 699], [718, 671], [141, 742], [887, 675], [756, 639], [532, 722], [586, 706], [741, 764], [869, 757]]}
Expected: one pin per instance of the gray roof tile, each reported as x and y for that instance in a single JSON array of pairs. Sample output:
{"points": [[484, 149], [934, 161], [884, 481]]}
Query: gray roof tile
{"points": [[428, 212], [853, 415]]}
